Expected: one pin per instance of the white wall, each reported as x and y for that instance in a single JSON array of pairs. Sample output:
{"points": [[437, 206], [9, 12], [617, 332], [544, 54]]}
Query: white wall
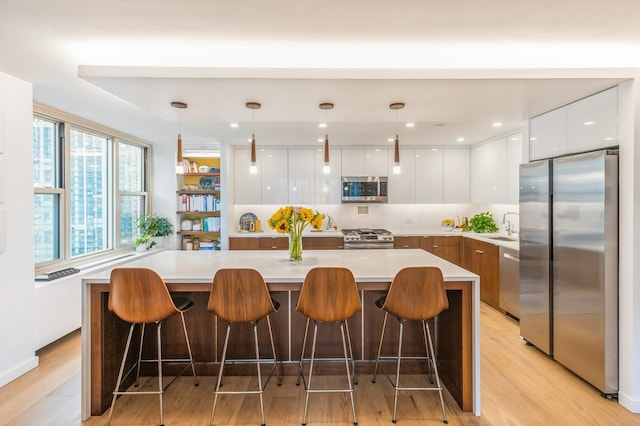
{"points": [[16, 263]]}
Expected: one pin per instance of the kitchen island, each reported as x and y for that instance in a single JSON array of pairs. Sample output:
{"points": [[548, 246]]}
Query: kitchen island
{"points": [[191, 273]]}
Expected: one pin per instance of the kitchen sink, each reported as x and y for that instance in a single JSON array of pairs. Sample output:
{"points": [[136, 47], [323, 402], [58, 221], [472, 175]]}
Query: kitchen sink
{"points": [[504, 238]]}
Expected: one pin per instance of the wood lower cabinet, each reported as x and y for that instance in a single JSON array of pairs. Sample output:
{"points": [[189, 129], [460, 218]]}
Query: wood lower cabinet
{"points": [[483, 259], [446, 247], [282, 243], [322, 243], [410, 242]]}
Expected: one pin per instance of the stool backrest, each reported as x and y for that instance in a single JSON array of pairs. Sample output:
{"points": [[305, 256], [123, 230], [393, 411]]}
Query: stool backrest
{"points": [[239, 295], [329, 294], [417, 293], [139, 295]]}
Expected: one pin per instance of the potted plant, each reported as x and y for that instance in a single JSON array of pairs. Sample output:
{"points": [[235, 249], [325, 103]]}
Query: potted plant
{"points": [[151, 225]]}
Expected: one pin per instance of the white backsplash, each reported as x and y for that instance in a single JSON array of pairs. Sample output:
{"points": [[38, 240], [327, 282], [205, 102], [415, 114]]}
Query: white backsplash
{"points": [[398, 218]]}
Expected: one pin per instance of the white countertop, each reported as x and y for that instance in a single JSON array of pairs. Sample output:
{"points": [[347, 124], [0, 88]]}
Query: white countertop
{"points": [[274, 265]]}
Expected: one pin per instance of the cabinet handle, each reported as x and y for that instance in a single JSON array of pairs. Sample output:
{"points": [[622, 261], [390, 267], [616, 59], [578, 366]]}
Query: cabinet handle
{"points": [[405, 246], [435, 246], [479, 252]]}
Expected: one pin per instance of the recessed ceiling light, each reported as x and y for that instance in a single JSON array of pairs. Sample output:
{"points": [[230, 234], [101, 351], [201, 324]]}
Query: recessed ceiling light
{"points": [[434, 149], [515, 138], [608, 139], [410, 125], [460, 140], [322, 125], [390, 140], [533, 138], [234, 125], [249, 140], [497, 124], [320, 140], [588, 123]]}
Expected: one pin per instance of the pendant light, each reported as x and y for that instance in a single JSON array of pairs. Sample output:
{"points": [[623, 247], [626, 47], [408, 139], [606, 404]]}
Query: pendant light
{"points": [[179, 160], [326, 168], [253, 167], [396, 145]]}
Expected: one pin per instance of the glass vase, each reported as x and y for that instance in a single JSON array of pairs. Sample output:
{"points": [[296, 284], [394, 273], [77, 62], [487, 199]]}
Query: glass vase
{"points": [[295, 247]]}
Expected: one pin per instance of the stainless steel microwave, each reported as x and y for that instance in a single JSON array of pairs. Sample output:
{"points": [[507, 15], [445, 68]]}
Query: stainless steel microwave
{"points": [[364, 189]]}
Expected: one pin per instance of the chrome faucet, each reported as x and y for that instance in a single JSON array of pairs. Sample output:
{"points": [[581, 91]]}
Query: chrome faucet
{"points": [[329, 224], [509, 228]]}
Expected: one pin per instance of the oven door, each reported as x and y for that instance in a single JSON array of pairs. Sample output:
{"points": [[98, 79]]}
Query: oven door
{"points": [[351, 245]]}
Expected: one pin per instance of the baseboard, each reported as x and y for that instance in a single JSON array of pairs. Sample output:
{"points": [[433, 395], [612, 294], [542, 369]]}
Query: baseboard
{"points": [[630, 404], [19, 370]]}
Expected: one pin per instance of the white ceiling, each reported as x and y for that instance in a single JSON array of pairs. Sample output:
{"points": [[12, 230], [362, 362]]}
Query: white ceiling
{"points": [[458, 66]]}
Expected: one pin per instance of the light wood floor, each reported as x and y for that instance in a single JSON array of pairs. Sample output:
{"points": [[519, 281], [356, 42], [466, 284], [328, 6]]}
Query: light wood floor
{"points": [[520, 386]]}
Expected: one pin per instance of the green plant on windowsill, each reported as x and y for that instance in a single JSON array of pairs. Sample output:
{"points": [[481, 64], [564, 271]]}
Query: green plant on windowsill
{"points": [[151, 225]]}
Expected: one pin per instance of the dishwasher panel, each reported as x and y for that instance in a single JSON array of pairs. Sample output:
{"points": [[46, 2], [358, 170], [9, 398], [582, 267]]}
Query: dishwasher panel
{"points": [[510, 281]]}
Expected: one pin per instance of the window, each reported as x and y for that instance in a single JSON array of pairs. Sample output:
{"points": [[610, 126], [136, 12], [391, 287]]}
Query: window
{"points": [[90, 186]]}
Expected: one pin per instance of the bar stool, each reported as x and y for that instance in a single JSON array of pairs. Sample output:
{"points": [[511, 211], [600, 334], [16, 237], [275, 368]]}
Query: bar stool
{"points": [[415, 294], [140, 296], [328, 294], [240, 295]]}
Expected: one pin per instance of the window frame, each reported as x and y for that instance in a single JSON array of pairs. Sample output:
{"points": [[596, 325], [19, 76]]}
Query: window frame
{"points": [[65, 122]]}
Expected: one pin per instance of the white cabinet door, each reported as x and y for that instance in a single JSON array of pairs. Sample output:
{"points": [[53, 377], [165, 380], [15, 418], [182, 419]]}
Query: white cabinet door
{"points": [[328, 188], [548, 134], [353, 162], [514, 158], [456, 169], [429, 173], [272, 167], [489, 172], [402, 186], [375, 162], [593, 122], [247, 189], [301, 176]]}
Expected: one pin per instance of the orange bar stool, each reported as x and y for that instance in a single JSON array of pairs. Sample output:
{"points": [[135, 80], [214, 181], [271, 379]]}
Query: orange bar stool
{"points": [[415, 294], [240, 295], [140, 296], [328, 295]]}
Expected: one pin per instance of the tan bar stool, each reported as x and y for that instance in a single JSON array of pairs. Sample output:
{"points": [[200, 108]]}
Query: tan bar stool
{"points": [[415, 294], [240, 295], [328, 295], [140, 296]]}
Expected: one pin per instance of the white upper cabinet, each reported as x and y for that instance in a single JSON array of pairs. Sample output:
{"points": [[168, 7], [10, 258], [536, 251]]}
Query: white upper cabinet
{"points": [[328, 188], [489, 172], [456, 170], [272, 167], [514, 158], [548, 134], [301, 176], [429, 175], [246, 186], [402, 186], [353, 162], [375, 162], [593, 122]]}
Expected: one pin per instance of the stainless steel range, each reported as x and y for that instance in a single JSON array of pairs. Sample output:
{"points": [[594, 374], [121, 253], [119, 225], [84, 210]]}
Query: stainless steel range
{"points": [[365, 238]]}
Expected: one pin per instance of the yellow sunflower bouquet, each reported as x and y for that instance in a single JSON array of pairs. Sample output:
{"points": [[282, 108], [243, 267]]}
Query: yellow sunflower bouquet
{"points": [[293, 220]]}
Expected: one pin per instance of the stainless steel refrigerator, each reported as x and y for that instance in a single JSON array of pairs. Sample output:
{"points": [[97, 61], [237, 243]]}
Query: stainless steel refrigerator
{"points": [[569, 263]]}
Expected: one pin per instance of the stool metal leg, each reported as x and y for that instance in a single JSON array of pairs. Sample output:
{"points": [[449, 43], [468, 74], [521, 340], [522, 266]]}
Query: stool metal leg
{"points": [[304, 347], [255, 338], [142, 328], [186, 336], [346, 364], [313, 353], [273, 351], [120, 373], [397, 384], [435, 369], [219, 380], [384, 326], [160, 389], [353, 361]]}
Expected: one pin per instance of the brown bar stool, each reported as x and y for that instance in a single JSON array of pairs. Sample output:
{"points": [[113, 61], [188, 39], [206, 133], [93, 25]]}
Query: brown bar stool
{"points": [[140, 296], [328, 294], [240, 295], [415, 294]]}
